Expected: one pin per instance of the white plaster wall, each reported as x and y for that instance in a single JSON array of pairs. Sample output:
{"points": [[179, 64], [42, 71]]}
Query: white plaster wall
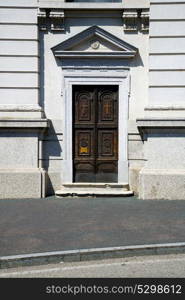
{"points": [[168, 11], [17, 3], [17, 80], [167, 95], [162, 152], [18, 31], [18, 52], [21, 64], [18, 15], [20, 157], [167, 62], [19, 47], [167, 45], [166, 78], [167, 55], [162, 28], [18, 96]]}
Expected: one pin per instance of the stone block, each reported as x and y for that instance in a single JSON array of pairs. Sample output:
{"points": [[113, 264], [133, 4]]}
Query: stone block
{"points": [[172, 11], [162, 28], [26, 15], [165, 151], [167, 95], [168, 78], [161, 184], [18, 47], [134, 179], [162, 62], [21, 152], [20, 183], [19, 96], [159, 45], [18, 31], [18, 80], [24, 64]]}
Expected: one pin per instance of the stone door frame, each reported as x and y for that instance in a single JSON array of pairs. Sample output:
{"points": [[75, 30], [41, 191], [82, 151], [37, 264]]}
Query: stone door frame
{"points": [[117, 76]]}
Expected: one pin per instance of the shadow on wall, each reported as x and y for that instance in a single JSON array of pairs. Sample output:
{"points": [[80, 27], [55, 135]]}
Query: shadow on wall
{"points": [[52, 151], [116, 62], [136, 61], [51, 142]]}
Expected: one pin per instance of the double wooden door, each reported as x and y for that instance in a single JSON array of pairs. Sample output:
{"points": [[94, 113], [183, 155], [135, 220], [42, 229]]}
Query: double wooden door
{"points": [[95, 133]]}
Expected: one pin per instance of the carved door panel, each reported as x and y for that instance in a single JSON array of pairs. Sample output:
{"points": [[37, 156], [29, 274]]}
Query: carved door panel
{"points": [[95, 133]]}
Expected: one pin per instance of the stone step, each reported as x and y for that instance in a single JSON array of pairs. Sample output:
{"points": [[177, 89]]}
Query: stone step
{"points": [[78, 193], [96, 185], [94, 189]]}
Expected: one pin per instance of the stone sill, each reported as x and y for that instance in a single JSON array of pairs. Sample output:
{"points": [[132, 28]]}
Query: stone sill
{"points": [[22, 123]]}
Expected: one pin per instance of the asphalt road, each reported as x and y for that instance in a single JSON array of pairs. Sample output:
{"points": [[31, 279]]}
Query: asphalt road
{"points": [[169, 266], [58, 224]]}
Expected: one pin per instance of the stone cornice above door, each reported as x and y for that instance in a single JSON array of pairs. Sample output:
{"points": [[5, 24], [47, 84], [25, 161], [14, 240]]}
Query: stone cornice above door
{"points": [[94, 42]]}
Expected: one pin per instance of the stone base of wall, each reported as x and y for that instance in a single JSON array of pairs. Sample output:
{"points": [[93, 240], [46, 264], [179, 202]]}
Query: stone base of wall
{"points": [[22, 183], [162, 184], [134, 180]]}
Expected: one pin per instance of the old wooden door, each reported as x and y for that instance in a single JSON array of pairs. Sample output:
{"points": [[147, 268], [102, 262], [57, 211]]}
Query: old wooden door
{"points": [[95, 133]]}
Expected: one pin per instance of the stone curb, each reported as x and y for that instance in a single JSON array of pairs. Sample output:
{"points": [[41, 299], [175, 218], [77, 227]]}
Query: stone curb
{"points": [[33, 259]]}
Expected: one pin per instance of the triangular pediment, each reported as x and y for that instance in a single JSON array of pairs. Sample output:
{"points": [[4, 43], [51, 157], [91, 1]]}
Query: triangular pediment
{"points": [[94, 42]]}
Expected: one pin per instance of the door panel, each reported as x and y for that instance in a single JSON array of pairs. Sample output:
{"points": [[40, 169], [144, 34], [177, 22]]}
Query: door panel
{"points": [[107, 142], [107, 107], [95, 133]]}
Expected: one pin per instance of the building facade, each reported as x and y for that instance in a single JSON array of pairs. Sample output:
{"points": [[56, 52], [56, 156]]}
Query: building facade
{"points": [[92, 93]]}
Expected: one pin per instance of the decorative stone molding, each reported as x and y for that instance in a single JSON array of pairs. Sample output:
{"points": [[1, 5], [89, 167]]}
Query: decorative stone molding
{"points": [[134, 20], [57, 19], [24, 123], [145, 21], [160, 122], [130, 20], [42, 19], [164, 108], [153, 125], [94, 34], [51, 19]]}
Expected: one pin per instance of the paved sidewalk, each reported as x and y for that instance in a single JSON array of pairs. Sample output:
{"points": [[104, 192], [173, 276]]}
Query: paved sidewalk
{"points": [[57, 224]]}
